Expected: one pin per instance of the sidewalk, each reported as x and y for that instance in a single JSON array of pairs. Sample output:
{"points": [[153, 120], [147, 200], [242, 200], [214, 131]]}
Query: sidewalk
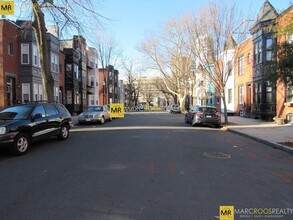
{"points": [[277, 136]]}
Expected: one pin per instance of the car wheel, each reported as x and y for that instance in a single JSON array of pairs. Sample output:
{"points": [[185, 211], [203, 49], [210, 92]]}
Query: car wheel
{"points": [[102, 120], [64, 132], [21, 144]]}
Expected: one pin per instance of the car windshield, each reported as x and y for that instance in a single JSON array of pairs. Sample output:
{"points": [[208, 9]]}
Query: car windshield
{"points": [[208, 110], [15, 112], [95, 109]]}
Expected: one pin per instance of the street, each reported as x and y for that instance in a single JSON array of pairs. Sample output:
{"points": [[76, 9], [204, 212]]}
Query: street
{"points": [[144, 166]]}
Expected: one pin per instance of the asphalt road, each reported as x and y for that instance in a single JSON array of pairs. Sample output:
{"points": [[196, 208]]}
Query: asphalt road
{"points": [[145, 166]]}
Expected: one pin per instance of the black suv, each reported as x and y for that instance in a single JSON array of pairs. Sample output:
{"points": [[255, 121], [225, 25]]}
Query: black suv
{"points": [[20, 125]]}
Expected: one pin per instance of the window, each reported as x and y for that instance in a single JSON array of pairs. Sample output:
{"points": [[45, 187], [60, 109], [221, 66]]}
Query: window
{"points": [[240, 95], [56, 94], [229, 96], [258, 52], [257, 92], [76, 98], [269, 49], [69, 97], [36, 92], [24, 53], [25, 92], [35, 56], [289, 94], [50, 109], [39, 109], [290, 38], [68, 67], [249, 58], [41, 92], [10, 48], [54, 62], [269, 94], [75, 69], [240, 65]]}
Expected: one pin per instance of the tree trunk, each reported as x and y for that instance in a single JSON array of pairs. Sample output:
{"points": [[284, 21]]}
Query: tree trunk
{"points": [[225, 107], [39, 27], [182, 103]]}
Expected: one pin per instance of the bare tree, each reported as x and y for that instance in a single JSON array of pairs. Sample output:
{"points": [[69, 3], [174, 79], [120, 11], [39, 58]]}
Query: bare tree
{"points": [[160, 85], [213, 45], [109, 51], [68, 15], [133, 83], [168, 54]]}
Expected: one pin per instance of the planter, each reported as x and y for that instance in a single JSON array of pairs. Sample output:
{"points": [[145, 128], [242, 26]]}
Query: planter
{"points": [[279, 121]]}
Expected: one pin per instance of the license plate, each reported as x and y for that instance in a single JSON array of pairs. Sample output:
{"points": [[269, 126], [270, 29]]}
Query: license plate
{"points": [[208, 116], [88, 119]]}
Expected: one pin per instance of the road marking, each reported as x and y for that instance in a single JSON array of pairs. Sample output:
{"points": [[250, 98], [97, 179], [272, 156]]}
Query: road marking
{"points": [[285, 178], [152, 168], [139, 128]]}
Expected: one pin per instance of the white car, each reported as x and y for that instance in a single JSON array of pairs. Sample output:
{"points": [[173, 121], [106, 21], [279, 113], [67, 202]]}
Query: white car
{"points": [[95, 114], [175, 108]]}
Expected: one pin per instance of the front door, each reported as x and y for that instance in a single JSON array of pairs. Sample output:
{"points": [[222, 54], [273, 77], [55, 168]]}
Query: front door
{"points": [[248, 99], [10, 91]]}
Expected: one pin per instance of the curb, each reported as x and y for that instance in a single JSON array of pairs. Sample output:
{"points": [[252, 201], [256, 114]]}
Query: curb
{"points": [[273, 145]]}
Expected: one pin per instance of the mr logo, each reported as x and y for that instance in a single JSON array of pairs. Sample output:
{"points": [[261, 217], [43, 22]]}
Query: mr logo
{"points": [[116, 110], [6, 7], [226, 212]]}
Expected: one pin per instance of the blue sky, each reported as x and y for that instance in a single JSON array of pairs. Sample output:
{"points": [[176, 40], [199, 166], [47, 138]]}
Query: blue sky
{"points": [[133, 18]]}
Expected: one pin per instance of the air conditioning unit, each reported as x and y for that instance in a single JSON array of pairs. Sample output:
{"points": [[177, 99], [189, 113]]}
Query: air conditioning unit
{"points": [[289, 118]]}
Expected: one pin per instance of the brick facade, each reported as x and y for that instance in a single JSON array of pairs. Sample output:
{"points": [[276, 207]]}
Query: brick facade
{"points": [[243, 77], [9, 55]]}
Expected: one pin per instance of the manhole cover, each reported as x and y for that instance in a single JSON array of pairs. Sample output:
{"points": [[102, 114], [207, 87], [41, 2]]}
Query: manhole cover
{"points": [[218, 155]]}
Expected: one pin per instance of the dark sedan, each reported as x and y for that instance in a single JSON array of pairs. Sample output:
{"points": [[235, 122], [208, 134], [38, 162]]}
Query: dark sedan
{"points": [[203, 115]]}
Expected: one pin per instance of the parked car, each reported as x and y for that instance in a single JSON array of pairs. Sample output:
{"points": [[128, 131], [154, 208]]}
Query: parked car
{"points": [[139, 108], [203, 115], [95, 114], [20, 125], [174, 108]]}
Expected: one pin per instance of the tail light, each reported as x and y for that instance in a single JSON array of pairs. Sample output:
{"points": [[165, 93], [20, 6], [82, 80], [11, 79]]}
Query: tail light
{"points": [[198, 114], [218, 114]]}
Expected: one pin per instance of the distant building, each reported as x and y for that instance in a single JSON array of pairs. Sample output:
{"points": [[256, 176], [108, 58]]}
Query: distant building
{"points": [[93, 76], [108, 85], [76, 74]]}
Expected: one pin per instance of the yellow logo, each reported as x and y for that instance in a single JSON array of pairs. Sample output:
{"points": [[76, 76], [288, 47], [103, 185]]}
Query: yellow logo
{"points": [[6, 7], [226, 212], [117, 110]]}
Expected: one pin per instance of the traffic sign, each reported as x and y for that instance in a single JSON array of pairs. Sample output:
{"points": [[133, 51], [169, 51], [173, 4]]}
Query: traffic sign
{"points": [[7, 7], [117, 110]]}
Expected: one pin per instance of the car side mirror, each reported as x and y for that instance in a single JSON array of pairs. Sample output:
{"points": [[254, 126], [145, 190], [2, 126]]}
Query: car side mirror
{"points": [[35, 116]]}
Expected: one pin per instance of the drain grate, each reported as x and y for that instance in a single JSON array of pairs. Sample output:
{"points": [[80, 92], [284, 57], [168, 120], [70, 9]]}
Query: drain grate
{"points": [[218, 155]]}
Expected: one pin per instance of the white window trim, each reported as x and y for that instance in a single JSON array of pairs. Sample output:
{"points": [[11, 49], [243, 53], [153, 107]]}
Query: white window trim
{"points": [[25, 88], [36, 55], [23, 48]]}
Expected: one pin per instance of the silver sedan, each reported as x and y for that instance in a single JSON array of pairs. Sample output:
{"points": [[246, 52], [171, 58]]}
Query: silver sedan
{"points": [[95, 114]]}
